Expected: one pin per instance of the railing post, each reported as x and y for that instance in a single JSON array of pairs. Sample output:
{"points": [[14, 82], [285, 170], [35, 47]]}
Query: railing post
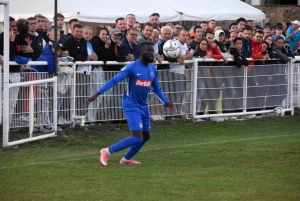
{"points": [[31, 110], [291, 71], [194, 87], [73, 96]]}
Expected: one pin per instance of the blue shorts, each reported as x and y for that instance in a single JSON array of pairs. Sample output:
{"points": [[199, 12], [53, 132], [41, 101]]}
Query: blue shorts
{"points": [[137, 118]]}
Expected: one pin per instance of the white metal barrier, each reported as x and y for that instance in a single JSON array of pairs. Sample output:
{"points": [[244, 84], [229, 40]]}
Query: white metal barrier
{"points": [[109, 108], [13, 88]]}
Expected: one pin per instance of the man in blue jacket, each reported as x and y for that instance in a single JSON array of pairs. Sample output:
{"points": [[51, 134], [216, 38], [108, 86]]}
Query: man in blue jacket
{"points": [[43, 123], [129, 44]]}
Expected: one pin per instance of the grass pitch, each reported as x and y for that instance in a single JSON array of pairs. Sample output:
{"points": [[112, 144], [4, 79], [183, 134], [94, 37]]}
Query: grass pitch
{"points": [[249, 160]]}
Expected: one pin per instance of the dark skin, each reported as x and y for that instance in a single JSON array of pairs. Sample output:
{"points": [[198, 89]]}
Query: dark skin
{"points": [[146, 57]]}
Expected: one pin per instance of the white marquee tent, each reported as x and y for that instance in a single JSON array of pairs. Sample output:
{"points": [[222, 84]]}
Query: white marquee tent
{"points": [[107, 11]]}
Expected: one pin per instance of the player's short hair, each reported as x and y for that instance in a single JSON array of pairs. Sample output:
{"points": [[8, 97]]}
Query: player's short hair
{"points": [[143, 45]]}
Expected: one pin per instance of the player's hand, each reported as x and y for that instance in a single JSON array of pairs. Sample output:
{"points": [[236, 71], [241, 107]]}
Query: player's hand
{"points": [[171, 106], [91, 99]]}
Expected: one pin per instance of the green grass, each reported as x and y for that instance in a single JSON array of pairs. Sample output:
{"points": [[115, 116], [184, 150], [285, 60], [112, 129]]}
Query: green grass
{"points": [[250, 160]]}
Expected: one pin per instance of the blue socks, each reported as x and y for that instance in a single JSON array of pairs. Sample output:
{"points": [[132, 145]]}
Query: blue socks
{"points": [[125, 143], [134, 149]]}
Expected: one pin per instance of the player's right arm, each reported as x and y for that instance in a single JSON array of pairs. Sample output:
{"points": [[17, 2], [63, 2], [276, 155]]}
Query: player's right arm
{"points": [[109, 84]]}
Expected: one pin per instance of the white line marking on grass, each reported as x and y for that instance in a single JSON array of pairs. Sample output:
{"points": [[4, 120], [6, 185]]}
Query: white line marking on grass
{"points": [[155, 149]]}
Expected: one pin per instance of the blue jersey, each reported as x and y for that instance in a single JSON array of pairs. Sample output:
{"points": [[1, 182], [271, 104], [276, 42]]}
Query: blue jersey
{"points": [[140, 79]]}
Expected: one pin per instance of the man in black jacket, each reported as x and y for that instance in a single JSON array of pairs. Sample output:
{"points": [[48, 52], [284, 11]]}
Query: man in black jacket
{"points": [[76, 44]]}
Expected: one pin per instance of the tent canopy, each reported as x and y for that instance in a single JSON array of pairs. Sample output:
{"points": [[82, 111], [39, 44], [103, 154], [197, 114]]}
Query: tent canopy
{"points": [[107, 11]]}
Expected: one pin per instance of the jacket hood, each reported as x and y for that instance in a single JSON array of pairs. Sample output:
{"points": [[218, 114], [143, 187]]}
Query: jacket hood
{"points": [[217, 33]]}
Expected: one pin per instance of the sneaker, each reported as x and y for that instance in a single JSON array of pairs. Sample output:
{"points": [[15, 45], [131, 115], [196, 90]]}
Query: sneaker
{"points": [[215, 119], [250, 116], [221, 119], [159, 117], [232, 117], [129, 162], [26, 118], [103, 157], [61, 120], [198, 120], [155, 118], [36, 128], [47, 128], [13, 129]]}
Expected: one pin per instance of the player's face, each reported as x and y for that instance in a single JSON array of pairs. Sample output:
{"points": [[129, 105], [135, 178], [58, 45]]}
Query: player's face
{"points": [[148, 53]]}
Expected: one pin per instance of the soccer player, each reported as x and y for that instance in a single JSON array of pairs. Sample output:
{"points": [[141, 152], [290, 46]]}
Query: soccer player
{"points": [[141, 76]]}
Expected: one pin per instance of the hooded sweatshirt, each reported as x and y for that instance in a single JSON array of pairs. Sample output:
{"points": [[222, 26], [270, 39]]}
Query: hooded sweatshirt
{"points": [[221, 45]]}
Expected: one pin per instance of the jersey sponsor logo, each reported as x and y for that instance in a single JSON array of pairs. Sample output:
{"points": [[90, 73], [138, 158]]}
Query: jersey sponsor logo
{"points": [[138, 74], [143, 83]]}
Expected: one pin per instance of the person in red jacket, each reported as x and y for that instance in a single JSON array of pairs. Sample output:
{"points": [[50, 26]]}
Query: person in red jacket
{"points": [[214, 52], [254, 91]]}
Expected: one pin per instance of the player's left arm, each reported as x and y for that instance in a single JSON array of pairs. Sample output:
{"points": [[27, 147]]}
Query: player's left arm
{"points": [[157, 90]]}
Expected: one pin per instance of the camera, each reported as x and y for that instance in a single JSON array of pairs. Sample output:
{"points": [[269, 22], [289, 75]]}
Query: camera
{"points": [[107, 37]]}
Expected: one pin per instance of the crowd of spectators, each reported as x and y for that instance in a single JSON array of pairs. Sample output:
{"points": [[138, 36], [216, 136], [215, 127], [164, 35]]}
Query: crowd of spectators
{"points": [[32, 39]]}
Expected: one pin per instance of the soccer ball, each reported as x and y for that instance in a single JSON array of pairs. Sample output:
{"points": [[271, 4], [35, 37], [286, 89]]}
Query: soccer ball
{"points": [[171, 48], [279, 111]]}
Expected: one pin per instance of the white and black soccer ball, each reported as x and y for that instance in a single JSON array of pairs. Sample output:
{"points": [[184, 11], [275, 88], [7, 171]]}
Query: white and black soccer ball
{"points": [[171, 48], [279, 111]]}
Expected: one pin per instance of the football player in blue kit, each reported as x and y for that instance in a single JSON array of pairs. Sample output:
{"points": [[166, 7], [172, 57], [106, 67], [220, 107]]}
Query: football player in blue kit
{"points": [[141, 76]]}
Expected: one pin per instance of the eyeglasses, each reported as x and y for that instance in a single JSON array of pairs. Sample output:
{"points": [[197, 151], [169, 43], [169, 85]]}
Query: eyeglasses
{"points": [[178, 27], [286, 46], [33, 23]]}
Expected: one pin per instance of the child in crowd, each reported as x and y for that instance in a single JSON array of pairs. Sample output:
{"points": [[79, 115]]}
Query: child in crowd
{"points": [[23, 49]]}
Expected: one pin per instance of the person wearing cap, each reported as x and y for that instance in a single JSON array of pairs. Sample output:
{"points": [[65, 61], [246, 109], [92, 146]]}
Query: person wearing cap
{"points": [[115, 50], [145, 34], [293, 35]]}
